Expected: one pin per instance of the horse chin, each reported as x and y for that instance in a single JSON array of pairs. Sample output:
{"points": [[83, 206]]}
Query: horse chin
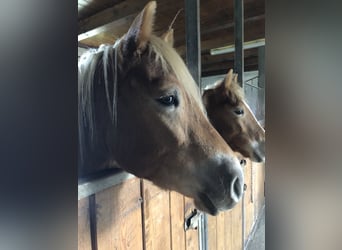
{"points": [[206, 205]]}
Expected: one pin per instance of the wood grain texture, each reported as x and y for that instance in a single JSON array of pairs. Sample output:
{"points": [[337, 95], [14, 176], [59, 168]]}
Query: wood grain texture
{"points": [[259, 177], [237, 227], [228, 230], [248, 202], [177, 221], [119, 221], [84, 241], [191, 236], [157, 229], [114, 13], [212, 232], [220, 237]]}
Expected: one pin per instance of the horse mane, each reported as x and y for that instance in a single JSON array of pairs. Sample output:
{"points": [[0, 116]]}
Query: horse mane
{"points": [[96, 66]]}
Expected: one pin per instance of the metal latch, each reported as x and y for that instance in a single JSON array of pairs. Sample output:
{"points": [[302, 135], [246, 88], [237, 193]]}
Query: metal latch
{"points": [[192, 221]]}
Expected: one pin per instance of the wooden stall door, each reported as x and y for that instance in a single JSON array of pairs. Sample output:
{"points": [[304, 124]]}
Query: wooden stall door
{"points": [[119, 220], [177, 221], [84, 241], [156, 217], [249, 202]]}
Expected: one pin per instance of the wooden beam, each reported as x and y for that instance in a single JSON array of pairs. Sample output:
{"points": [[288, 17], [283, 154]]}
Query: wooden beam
{"points": [[118, 18], [215, 28], [222, 71], [227, 64], [253, 30], [123, 22], [117, 12], [207, 58]]}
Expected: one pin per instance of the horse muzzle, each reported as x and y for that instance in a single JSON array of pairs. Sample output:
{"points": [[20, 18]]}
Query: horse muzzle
{"points": [[222, 185]]}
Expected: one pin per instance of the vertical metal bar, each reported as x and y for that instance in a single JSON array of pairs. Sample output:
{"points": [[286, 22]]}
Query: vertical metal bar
{"points": [[193, 61], [261, 66], [239, 40], [193, 39], [200, 232], [239, 68], [205, 232], [143, 225], [92, 221], [261, 84]]}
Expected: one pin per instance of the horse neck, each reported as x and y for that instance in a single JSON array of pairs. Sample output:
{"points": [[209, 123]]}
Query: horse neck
{"points": [[95, 153]]}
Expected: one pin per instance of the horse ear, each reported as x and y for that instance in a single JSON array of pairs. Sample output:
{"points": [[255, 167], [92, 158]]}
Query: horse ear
{"points": [[228, 79], [141, 29], [168, 37]]}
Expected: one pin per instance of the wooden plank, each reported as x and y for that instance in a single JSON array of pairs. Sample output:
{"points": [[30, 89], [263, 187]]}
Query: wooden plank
{"points": [[248, 203], [259, 177], [228, 230], [223, 29], [119, 221], [84, 241], [122, 23], [89, 7], [212, 232], [223, 70], [177, 221], [226, 37], [191, 236], [219, 65], [117, 19], [157, 228], [237, 227], [229, 24], [117, 12], [220, 227]]}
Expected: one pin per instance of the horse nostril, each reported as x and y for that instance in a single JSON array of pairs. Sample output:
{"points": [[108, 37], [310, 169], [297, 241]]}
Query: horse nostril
{"points": [[236, 189], [243, 162]]}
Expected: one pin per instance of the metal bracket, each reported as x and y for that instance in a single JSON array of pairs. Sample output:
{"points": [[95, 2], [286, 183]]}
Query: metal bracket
{"points": [[192, 221]]}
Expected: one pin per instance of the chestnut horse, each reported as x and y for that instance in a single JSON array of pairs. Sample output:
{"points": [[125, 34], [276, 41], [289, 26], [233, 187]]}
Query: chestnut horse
{"points": [[140, 109], [231, 116]]}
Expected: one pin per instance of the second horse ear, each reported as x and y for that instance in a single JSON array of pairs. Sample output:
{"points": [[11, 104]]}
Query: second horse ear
{"points": [[141, 29], [168, 37], [228, 79]]}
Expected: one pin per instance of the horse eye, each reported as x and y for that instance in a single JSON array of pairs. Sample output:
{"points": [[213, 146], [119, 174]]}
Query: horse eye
{"points": [[239, 111], [168, 100]]}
